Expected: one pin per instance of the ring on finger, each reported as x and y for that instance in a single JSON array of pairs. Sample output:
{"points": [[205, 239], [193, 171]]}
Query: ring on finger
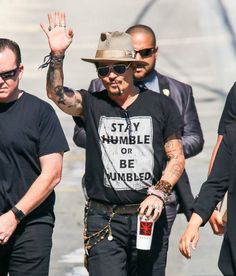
{"points": [[49, 28]]}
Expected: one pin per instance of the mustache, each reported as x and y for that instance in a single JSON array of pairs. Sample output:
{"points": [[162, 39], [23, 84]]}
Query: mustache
{"points": [[139, 65]]}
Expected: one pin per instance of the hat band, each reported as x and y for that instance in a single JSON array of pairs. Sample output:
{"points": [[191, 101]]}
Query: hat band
{"points": [[114, 54]]}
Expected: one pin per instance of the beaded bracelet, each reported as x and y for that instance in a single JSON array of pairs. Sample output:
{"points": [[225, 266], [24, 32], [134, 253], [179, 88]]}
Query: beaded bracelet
{"points": [[164, 186], [51, 59]]}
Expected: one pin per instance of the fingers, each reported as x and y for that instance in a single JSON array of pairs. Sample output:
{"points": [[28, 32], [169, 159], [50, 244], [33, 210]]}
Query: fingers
{"points": [[157, 213], [70, 33], [184, 248], [153, 211], [62, 19], [45, 29], [56, 19], [216, 223]]}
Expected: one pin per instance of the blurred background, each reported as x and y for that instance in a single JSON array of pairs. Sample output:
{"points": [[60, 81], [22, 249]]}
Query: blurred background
{"points": [[197, 45]]}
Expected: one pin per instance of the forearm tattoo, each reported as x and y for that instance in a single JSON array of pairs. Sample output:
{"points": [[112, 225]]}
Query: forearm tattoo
{"points": [[175, 156], [60, 95], [59, 91]]}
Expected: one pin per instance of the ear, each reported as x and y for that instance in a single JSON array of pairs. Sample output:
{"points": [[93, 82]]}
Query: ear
{"points": [[21, 70], [156, 52]]}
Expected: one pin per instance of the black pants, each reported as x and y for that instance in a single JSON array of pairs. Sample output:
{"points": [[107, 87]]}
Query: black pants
{"points": [[119, 257], [27, 253]]}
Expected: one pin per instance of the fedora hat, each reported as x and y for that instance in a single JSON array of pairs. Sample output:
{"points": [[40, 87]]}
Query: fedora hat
{"points": [[114, 46]]}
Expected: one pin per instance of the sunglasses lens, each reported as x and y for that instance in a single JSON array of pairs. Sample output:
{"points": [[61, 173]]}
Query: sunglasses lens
{"points": [[119, 68], [9, 74], [145, 52], [103, 71]]}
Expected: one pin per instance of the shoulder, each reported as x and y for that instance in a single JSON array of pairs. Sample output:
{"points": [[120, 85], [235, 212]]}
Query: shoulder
{"points": [[153, 97], [96, 85], [175, 84], [36, 105], [232, 92], [230, 130], [36, 100]]}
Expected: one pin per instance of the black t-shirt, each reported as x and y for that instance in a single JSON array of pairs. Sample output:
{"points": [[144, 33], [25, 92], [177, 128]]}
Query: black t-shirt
{"points": [[229, 113], [125, 148], [29, 129]]}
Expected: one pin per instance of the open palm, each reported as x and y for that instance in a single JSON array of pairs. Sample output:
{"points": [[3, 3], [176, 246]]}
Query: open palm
{"points": [[59, 38]]}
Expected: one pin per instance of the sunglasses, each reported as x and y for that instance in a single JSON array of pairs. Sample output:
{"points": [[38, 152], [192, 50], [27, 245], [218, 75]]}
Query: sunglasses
{"points": [[9, 74], [145, 52], [119, 69]]}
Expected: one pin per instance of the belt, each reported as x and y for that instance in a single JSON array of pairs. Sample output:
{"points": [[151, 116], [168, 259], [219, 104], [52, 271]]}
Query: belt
{"points": [[126, 209]]}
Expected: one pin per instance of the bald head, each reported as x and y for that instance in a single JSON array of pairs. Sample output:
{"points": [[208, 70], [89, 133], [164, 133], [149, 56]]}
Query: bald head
{"points": [[142, 29]]}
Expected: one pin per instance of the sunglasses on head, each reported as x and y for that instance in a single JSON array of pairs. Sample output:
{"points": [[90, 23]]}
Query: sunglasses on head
{"points": [[119, 69], [9, 74], [145, 52]]}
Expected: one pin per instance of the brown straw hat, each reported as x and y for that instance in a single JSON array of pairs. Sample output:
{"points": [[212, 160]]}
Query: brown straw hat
{"points": [[114, 46]]}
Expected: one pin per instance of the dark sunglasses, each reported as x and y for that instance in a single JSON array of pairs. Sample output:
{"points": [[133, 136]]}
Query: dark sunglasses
{"points": [[119, 69], [145, 52], [9, 74]]}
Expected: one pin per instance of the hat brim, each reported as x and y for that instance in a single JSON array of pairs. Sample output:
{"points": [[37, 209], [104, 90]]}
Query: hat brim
{"points": [[96, 60]]}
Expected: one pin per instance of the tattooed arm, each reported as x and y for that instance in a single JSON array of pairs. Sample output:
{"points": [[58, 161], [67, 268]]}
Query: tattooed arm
{"points": [[59, 39], [152, 205], [176, 160], [67, 99]]}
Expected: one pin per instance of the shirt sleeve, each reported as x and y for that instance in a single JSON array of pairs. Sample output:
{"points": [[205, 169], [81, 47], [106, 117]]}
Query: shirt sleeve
{"points": [[192, 136], [229, 113], [174, 122], [213, 190], [52, 138]]}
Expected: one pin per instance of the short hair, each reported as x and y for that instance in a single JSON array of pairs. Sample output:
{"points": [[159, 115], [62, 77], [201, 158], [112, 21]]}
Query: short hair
{"points": [[13, 46], [142, 29]]}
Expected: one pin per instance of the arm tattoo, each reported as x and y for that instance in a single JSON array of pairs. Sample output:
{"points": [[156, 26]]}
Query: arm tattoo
{"points": [[59, 91], [176, 170], [174, 150], [66, 98], [175, 156]]}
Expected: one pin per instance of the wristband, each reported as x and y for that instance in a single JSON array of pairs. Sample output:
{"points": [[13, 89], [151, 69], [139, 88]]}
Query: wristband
{"points": [[51, 59], [18, 213], [164, 186], [158, 193]]}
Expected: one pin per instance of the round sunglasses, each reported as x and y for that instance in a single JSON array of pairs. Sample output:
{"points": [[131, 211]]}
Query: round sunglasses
{"points": [[119, 69]]}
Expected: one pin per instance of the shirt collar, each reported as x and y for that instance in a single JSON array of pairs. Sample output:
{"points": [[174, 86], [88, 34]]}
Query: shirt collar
{"points": [[151, 81]]}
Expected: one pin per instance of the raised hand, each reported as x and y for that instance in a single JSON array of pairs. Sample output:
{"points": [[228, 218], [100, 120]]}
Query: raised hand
{"points": [[59, 38]]}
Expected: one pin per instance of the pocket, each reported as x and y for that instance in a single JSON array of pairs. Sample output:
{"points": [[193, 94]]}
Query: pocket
{"points": [[96, 222]]}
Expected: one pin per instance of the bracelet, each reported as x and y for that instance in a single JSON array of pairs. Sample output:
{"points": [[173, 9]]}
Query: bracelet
{"points": [[51, 59], [158, 197], [164, 186], [158, 193]]}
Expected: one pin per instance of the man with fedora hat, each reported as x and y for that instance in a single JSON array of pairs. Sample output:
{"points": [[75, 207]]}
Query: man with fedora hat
{"points": [[144, 42], [131, 139]]}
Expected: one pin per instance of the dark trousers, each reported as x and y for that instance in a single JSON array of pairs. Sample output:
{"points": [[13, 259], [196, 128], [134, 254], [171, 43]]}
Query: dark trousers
{"points": [[27, 253], [119, 257]]}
